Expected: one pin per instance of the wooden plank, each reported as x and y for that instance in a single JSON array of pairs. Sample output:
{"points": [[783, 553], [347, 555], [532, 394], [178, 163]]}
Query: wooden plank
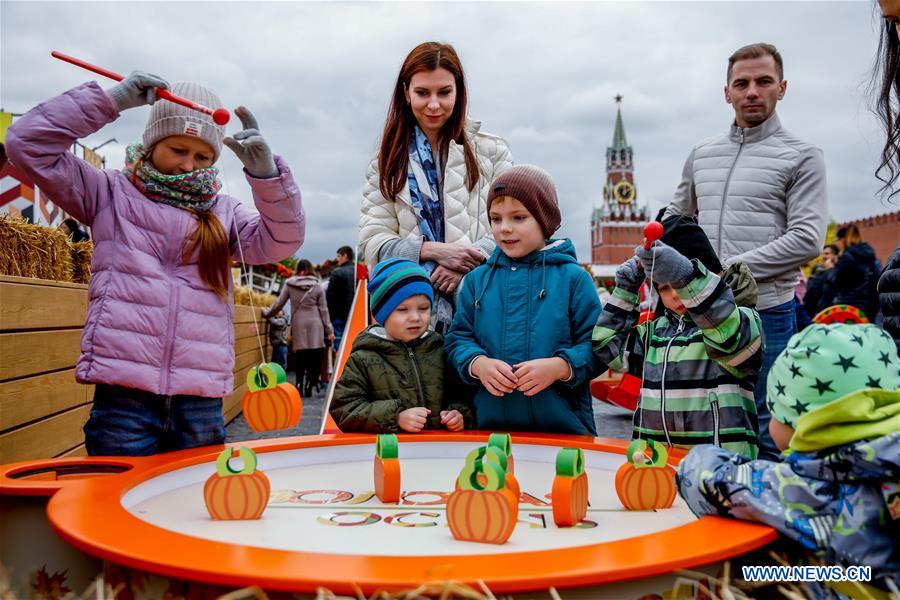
{"points": [[25, 354], [231, 406], [242, 330], [45, 438], [41, 307], [240, 375], [37, 378], [251, 330], [32, 352], [33, 398], [249, 343], [243, 313], [243, 362], [42, 282], [78, 450], [249, 358]]}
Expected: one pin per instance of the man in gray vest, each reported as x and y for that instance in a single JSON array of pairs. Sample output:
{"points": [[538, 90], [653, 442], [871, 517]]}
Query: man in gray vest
{"points": [[758, 192]]}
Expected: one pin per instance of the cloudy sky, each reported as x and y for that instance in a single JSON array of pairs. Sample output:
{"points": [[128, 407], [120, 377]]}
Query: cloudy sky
{"points": [[319, 76]]}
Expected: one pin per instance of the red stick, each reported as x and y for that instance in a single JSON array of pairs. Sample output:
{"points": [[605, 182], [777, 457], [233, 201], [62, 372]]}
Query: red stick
{"points": [[220, 116]]}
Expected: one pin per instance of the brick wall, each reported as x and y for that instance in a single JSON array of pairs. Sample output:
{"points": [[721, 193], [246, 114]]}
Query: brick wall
{"points": [[882, 232], [617, 244]]}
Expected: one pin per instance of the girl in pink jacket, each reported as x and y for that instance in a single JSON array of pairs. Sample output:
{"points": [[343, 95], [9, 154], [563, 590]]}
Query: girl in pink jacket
{"points": [[158, 341]]}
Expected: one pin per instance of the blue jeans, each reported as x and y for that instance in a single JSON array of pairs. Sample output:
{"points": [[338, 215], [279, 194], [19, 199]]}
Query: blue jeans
{"points": [[779, 324], [279, 355], [803, 318], [338, 325], [129, 422]]}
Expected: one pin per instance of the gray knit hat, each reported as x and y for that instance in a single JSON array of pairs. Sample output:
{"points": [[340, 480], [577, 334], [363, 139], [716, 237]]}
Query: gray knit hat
{"points": [[167, 118], [534, 188]]}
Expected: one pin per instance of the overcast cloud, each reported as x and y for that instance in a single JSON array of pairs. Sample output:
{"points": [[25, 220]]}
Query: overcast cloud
{"points": [[319, 76]]}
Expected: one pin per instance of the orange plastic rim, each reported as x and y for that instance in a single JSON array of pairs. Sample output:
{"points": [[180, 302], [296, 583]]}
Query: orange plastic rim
{"points": [[88, 514]]}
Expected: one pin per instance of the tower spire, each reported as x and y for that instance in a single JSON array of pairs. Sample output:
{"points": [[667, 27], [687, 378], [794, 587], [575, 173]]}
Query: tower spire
{"points": [[617, 223], [619, 142]]}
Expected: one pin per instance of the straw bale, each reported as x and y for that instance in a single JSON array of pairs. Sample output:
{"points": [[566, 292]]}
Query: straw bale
{"points": [[242, 295], [81, 261], [28, 250]]}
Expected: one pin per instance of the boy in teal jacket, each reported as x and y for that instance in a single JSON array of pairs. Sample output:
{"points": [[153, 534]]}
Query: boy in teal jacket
{"points": [[836, 413], [522, 329]]}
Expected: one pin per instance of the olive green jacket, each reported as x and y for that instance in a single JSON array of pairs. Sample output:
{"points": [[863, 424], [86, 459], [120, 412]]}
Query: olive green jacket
{"points": [[384, 377]]}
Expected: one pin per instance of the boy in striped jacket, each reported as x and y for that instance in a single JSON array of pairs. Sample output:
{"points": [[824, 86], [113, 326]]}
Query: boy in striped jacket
{"points": [[700, 357]]}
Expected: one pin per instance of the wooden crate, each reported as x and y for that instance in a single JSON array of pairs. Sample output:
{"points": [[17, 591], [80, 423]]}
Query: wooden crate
{"points": [[42, 407]]}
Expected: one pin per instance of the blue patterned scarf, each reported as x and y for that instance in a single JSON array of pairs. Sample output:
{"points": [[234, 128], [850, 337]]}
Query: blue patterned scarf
{"points": [[424, 177], [424, 187]]}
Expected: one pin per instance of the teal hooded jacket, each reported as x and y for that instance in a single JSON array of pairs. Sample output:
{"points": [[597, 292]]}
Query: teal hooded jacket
{"points": [[539, 306]]}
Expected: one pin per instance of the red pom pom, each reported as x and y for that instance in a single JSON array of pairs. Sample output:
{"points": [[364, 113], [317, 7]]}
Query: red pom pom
{"points": [[221, 116], [652, 232]]}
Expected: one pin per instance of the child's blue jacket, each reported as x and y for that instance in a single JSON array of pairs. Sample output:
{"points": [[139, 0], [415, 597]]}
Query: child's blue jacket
{"points": [[538, 306]]}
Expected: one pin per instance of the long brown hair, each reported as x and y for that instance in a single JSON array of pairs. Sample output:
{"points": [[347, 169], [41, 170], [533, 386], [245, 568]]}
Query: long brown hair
{"points": [[213, 252], [304, 267], [393, 158], [210, 242]]}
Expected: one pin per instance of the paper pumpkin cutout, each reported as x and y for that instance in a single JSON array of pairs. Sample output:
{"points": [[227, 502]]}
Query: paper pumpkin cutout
{"points": [[493, 455], [570, 488], [503, 442], [387, 468], [236, 495], [270, 403], [646, 483], [840, 313], [487, 512]]}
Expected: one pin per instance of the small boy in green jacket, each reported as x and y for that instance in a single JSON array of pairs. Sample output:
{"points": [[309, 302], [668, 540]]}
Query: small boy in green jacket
{"points": [[394, 379]]}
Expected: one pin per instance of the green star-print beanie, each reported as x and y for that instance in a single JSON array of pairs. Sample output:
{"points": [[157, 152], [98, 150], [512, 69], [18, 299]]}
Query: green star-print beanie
{"points": [[823, 363]]}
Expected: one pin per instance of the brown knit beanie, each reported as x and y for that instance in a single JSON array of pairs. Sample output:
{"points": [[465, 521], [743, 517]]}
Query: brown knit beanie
{"points": [[534, 188], [167, 118]]}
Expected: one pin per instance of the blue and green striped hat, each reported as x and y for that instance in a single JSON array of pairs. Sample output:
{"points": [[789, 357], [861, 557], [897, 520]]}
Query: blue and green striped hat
{"points": [[393, 281]]}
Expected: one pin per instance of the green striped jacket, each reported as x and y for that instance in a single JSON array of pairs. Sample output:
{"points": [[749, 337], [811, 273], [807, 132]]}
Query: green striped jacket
{"points": [[699, 371]]}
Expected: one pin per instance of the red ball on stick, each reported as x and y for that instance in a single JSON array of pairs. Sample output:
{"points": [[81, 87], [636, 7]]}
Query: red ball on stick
{"points": [[652, 232], [221, 116]]}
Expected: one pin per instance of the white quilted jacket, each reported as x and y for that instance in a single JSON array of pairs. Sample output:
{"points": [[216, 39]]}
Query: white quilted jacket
{"points": [[465, 212]]}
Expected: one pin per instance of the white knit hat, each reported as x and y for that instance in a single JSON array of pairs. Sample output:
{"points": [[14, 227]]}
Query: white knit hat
{"points": [[167, 118]]}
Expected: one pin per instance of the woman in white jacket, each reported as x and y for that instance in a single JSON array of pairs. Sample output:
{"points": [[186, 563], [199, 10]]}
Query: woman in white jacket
{"points": [[426, 190]]}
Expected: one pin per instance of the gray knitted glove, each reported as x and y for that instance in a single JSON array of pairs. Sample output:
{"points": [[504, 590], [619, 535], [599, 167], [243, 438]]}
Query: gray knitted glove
{"points": [[251, 147], [138, 89], [665, 264], [629, 275]]}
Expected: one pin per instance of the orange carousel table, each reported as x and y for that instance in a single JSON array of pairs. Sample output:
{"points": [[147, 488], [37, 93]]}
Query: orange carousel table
{"points": [[324, 526]]}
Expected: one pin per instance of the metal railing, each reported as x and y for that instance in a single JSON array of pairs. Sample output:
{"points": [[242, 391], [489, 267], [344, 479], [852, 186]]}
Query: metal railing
{"points": [[263, 283]]}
